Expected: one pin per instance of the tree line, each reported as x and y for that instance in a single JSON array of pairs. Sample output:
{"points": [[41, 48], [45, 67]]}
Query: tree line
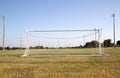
{"points": [[11, 48], [91, 44], [107, 43]]}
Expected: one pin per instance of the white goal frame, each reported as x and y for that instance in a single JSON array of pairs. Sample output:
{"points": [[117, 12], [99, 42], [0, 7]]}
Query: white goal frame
{"points": [[27, 50]]}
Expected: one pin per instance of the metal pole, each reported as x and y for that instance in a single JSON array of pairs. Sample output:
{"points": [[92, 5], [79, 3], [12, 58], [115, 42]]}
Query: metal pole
{"points": [[27, 52], [99, 37], [95, 38], [39, 44], [59, 30], [114, 28], [83, 40], [20, 43], [3, 41], [58, 44]]}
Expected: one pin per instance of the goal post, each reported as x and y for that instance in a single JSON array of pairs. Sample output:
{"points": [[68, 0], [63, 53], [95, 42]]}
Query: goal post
{"points": [[27, 50]]}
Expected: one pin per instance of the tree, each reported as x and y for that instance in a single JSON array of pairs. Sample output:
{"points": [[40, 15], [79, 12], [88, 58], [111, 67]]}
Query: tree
{"points": [[39, 47], [8, 48], [1, 48], [107, 43], [91, 44], [14, 48], [118, 43]]}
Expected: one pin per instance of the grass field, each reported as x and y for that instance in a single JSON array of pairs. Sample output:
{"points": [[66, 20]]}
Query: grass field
{"points": [[13, 66]]}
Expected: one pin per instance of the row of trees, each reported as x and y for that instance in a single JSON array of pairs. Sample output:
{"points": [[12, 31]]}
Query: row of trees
{"points": [[107, 43], [92, 44], [11, 48]]}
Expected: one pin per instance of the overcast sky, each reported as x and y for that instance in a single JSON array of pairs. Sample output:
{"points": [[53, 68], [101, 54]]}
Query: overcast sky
{"points": [[24, 15]]}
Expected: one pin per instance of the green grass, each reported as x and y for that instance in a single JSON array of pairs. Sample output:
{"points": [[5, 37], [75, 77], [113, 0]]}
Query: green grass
{"points": [[65, 51], [13, 66]]}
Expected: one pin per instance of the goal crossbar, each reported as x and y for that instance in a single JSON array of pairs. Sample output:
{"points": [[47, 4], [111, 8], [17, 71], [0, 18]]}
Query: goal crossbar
{"points": [[59, 30], [27, 51]]}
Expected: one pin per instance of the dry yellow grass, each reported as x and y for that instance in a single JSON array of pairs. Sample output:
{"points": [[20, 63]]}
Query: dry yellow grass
{"points": [[12, 66]]}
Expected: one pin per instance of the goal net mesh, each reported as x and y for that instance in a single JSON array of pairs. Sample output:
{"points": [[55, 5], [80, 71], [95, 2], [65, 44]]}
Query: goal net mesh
{"points": [[62, 42]]}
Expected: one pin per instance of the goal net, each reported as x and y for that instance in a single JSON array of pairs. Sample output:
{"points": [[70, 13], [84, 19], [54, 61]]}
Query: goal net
{"points": [[63, 42]]}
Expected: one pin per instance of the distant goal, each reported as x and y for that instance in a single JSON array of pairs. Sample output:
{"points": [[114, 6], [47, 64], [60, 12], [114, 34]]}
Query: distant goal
{"points": [[63, 43]]}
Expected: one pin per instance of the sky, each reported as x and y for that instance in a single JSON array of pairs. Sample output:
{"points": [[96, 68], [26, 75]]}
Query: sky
{"points": [[22, 15]]}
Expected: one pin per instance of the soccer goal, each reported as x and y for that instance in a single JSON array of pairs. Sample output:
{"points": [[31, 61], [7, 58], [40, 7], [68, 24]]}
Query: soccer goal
{"points": [[63, 42]]}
